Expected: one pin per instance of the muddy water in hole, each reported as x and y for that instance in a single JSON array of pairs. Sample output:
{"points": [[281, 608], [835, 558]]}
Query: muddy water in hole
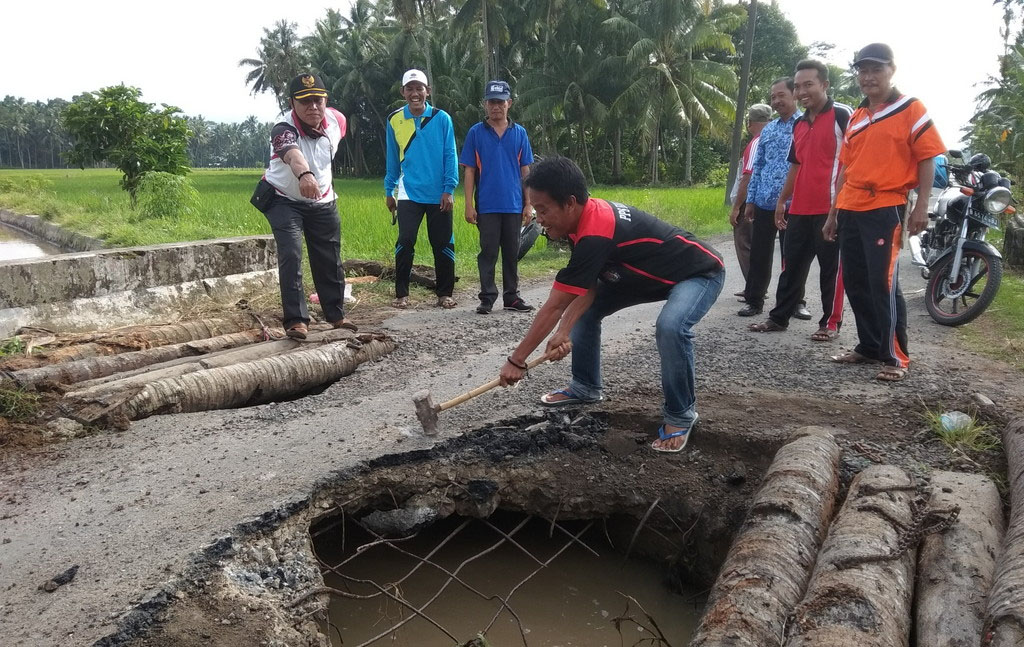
{"points": [[570, 603], [16, 245]]}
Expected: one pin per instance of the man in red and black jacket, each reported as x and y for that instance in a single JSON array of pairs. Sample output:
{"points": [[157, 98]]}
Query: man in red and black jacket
{"points": [[811, 184], [621, 257]]}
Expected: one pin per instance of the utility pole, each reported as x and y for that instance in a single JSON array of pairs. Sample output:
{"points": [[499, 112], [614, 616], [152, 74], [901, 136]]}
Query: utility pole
{"points": [[741, 100]]}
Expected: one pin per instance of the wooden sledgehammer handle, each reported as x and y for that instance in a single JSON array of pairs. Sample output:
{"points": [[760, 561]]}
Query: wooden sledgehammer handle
{"points": [[485, 387]]}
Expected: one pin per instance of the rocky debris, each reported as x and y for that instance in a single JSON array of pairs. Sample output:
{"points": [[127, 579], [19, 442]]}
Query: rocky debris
{"points": [[400, 522], [59, 580], [63, 429]]}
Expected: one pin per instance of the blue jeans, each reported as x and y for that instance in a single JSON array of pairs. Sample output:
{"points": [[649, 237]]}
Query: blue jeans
{"points": [[687, 303]]}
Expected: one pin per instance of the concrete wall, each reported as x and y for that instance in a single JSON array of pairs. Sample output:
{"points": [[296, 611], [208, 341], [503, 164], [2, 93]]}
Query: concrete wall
{"points": [[91, 290]]}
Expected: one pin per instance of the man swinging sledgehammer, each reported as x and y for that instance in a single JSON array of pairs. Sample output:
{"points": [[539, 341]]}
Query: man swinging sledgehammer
{"points": [[621, 257]]}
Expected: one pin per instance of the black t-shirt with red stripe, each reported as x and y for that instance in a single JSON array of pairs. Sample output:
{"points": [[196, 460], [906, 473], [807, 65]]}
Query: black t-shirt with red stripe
{"points": [[628, 249]]}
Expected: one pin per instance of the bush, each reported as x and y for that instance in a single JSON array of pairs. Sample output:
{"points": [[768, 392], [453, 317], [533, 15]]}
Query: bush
{"points": [[166, 196], [718, 175]]}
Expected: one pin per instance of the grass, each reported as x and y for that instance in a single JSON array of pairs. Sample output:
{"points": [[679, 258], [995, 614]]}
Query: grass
{"points": [[16, 403], [975, 436], [999, 333], [91, 202]]}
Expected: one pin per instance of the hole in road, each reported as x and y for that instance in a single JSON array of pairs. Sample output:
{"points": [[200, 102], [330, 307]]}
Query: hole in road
{"points": [[554, 529]]}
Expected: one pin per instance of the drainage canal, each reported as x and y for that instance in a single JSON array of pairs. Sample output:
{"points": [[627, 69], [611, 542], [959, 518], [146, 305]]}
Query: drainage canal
{"points": [[16, 244], [557, 529]]}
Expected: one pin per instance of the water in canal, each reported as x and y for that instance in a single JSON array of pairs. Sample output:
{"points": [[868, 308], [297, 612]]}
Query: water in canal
{"points": [[16, 245], [572, 602]]}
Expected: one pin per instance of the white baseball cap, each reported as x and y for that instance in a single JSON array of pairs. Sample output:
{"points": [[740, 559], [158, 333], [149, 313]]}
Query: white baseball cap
{"points": [[414, 75]]}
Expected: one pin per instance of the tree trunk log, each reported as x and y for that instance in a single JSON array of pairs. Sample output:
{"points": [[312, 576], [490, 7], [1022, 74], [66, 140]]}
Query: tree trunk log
{"points": [[185, 365], [1013, 242], [1004, 624], [868, 604], [253, 382], [421, 274], [766, 571], [96, 367], [69, 347], [954, 568]]}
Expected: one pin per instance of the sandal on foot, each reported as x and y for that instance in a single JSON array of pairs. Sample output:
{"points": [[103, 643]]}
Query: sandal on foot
{"points": [[297, 330], [824, 334], [446, 302], [682, 433], [346, 324], [400, 302], [548, 399], [892, 374], [767, 326], [853, 357]]}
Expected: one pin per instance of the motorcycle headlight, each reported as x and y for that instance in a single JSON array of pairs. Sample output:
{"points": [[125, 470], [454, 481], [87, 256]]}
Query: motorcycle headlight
{"points": [[997, 199]]}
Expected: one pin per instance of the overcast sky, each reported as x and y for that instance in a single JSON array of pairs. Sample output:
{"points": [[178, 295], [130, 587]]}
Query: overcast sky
{"points": [[186, 52]]}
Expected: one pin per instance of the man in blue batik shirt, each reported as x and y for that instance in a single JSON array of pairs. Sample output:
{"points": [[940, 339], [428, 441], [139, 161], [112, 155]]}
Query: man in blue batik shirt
{"points": [[771, 164]]}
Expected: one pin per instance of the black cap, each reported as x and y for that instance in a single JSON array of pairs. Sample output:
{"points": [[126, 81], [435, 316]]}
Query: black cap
{"points": [[497, 90], [877, 52], [307, 85]]}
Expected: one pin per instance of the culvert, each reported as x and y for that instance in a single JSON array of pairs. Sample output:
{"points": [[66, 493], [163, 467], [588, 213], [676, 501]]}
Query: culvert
{"points": [[554, 484]]}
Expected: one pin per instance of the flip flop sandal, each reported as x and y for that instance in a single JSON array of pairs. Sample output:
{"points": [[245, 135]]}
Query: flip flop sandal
{"points": [[684, 433], [853, 357], [446, 302], [824, 334], [570, 398], [767, 326], [892, 374], [400, 302], [297, 331]]}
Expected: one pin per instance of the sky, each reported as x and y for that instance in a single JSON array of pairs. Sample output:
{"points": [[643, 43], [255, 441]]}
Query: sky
{"points": [[186, 52]]}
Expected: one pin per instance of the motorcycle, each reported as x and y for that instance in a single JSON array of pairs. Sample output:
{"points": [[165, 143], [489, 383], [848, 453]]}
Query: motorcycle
{"points": [[963, 270]]}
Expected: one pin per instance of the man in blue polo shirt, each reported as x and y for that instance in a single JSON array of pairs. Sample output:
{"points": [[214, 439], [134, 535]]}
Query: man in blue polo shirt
{"points": [[496, 157]]}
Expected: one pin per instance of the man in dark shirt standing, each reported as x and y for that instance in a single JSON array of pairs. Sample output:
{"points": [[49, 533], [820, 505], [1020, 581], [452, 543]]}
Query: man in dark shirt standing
{"points": [[621, 257], [811, 183]]}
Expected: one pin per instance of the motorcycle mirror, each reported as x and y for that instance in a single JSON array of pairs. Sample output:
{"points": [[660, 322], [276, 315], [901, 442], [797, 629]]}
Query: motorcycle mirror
{"points": [[954, 152]]}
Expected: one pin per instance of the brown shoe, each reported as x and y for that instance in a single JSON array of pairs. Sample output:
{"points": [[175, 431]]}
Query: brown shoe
{"points": [[346, 324], [297, 330]]}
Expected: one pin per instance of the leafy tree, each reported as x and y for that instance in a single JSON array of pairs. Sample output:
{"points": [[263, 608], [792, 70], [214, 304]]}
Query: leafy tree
{"points": [[114, 125], [279, 59], [777, 50]]}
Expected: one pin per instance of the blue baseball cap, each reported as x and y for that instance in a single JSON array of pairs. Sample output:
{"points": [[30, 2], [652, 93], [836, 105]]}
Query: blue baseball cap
{"points": [[497, 90]]}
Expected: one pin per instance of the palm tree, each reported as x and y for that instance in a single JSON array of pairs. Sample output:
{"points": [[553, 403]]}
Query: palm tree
{"points": [[279, 58], [674, 84]]}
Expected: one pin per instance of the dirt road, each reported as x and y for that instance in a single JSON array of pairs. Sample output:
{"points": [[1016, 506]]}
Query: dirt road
{"points": [[133, 510]]}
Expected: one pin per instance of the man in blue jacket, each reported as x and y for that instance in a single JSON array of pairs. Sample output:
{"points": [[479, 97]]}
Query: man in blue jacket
{"points": [[421, 176]]}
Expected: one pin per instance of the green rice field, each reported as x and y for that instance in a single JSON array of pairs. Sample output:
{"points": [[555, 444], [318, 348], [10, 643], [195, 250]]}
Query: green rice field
{"points": [[91, 202]]}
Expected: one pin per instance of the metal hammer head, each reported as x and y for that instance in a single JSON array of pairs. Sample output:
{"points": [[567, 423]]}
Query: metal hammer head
{"points": [[426, 411]]}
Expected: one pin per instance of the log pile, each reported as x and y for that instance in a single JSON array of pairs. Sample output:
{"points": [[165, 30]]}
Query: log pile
{"points": [[110, 378], [1004, 622], [905, 562]]}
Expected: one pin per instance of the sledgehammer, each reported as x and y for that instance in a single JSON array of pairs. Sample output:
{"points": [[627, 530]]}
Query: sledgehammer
{"points": [[427, 411]]}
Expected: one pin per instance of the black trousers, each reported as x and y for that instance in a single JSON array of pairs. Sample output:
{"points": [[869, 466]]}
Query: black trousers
{"points": [[804, 243], [442, 241], [869, 243], [499, 231], [290, 220], [762, 256]]}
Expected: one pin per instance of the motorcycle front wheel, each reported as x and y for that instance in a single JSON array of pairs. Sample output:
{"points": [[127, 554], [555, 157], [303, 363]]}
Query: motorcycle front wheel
{"points": [[954, 303]]}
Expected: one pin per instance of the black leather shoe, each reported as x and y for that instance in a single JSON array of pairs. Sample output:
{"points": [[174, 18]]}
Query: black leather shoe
{"points": [[749, 311], [519, 306], [483, 309], [802, 313]]}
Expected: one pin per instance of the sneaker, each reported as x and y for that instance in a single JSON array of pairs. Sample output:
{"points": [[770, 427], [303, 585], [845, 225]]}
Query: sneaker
{"points": [[483, 309], [519, 306]]}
